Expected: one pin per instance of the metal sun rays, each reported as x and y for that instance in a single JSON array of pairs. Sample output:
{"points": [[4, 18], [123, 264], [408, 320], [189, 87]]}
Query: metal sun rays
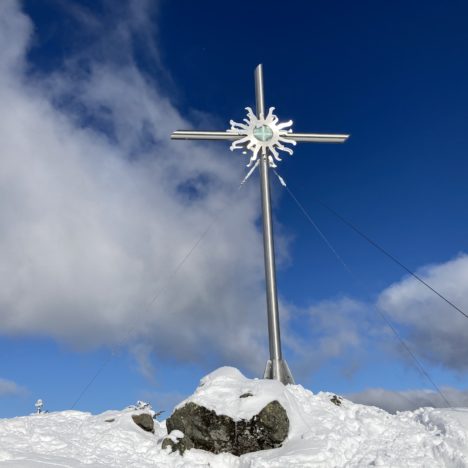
{"points": [[264, 133]]}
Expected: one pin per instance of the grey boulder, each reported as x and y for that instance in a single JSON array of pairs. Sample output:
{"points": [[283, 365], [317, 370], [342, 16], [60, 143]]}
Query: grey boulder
{"points": [[145, 421], [206, 430]]}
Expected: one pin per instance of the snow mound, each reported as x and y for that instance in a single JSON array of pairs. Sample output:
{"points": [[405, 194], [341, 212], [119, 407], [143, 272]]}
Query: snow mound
{"points": [[221, 392], [322, 433]]}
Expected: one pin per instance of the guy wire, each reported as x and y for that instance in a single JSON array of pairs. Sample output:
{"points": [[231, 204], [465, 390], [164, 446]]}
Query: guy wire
{"points": [[417, 362], [158, 294]]}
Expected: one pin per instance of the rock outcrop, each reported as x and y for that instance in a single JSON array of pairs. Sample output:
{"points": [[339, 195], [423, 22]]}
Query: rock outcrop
{"points": [[203, 429], [145, 421]]}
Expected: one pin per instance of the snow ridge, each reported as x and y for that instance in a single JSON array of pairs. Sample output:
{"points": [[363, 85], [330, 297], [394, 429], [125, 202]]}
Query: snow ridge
{"points": [[322, 434]]}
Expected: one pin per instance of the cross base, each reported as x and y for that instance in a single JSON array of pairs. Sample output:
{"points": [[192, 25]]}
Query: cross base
{"points": [[277, 369]]}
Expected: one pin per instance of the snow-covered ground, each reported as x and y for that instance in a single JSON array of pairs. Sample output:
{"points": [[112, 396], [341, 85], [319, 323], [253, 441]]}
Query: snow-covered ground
{"points": [[321, 433]]}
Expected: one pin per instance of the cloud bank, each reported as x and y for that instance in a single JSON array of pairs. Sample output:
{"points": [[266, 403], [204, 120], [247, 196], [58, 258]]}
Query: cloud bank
{"points": [[409, 400], [435, 330], [336, 330], [98, 207], [432, 329]]}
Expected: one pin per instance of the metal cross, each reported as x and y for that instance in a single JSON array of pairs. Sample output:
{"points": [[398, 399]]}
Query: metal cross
{"points": [[261, 131]]}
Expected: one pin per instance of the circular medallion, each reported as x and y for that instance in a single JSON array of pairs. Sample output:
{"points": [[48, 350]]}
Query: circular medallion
{"points": [[263, 133]]}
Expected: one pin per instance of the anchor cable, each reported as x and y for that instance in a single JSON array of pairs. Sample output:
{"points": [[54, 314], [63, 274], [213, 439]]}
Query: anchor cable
{"points": [[314, 224], [171, 275], [418, 363], [391, 257], [162, 289], [384, 317]]}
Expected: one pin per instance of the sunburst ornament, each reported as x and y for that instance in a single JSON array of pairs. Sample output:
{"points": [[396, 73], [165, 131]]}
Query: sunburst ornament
{"points": [[262, 133]]}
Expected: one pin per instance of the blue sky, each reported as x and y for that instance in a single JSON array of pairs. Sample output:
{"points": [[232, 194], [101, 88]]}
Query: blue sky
{"points": [[99, 206]]}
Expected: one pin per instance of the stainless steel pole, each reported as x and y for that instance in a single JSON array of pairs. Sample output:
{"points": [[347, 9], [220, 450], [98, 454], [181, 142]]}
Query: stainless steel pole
{"points": [[276, 368]]}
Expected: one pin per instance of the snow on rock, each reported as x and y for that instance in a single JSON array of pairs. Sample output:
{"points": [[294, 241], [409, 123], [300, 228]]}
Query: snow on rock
{"points": [[221, 392], [322, 434]]}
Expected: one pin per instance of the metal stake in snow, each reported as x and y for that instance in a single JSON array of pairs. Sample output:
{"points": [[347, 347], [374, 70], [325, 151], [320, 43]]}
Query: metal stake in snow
{"points": [[264, 136]]}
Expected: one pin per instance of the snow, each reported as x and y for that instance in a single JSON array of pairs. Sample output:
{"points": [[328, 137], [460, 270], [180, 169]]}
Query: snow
{"points": [[322, 434]]}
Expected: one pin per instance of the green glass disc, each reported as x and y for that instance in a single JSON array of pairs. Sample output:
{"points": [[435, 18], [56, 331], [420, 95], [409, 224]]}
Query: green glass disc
{"points": [[263, 133]]}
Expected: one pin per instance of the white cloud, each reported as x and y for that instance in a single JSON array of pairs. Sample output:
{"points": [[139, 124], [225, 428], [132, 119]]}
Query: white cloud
{"points": [[346, 328], [10, 388], [334, 329], [93, 222], [409, 400], [336, 324], [430, 327], [435, 330]]}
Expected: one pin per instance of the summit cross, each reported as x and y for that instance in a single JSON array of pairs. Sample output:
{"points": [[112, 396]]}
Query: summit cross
{"points": [[264, 136]]}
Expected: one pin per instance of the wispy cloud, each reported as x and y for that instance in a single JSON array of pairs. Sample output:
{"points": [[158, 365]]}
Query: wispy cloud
{"points": [[409, 400], [10, 388], [163, 401], [435, 330], [99, 207], [345, 328], [336, 329]]}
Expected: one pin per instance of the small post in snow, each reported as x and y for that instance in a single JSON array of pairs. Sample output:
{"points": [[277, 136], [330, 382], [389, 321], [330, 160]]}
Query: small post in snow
{"points": [[39, 406]]}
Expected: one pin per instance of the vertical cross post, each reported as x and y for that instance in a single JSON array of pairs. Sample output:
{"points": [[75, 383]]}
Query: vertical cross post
{"points": [[276, 367], [252, 135]]}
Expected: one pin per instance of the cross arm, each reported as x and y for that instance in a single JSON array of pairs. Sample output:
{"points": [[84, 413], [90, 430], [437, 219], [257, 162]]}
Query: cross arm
{"points": [[232, 136], [204, 135], [317, 137]]}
